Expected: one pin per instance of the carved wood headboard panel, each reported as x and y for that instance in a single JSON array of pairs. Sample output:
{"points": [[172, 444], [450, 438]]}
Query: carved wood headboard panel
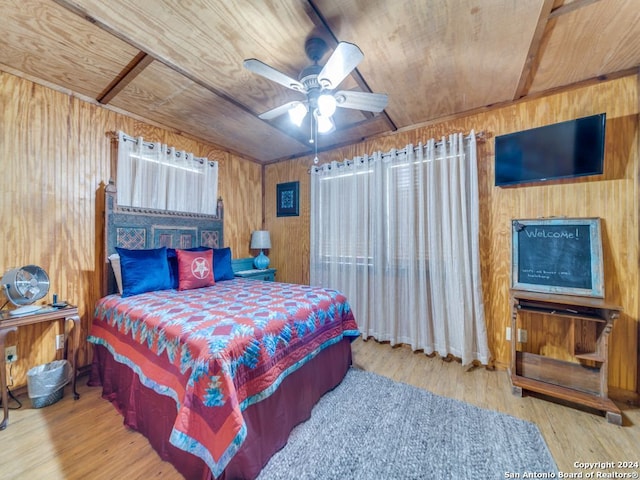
{"points": [[138, 228]]}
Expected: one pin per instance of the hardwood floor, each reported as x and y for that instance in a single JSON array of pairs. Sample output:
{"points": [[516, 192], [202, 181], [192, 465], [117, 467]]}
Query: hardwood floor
{"points": [[86, 438]]}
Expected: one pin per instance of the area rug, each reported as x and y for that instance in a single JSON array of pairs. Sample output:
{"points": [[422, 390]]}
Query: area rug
{"points": [[370, 427]]}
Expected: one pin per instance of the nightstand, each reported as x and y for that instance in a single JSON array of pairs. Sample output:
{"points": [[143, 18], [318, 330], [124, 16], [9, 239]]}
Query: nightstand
{"points": [[266, 275], [243, 267]]}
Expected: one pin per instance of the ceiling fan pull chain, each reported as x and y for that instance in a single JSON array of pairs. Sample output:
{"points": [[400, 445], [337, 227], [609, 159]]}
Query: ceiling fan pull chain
{"points": [[315, 132]]}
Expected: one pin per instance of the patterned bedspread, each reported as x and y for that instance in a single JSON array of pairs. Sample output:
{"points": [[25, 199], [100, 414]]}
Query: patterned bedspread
{"points": [[219, 349]]}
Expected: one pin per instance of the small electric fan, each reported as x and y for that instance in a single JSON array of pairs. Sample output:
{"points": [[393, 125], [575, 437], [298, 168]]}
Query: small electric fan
{"points": [[25, 285]]}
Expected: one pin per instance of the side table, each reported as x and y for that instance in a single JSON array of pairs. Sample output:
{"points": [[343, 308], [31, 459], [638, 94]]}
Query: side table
{"points": [[266, 275], [243, 267], [584, 381], [10, 323]]}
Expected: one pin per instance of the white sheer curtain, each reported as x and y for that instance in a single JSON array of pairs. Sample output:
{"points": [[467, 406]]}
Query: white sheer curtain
{"points": [[152, 175], [398, 234]]}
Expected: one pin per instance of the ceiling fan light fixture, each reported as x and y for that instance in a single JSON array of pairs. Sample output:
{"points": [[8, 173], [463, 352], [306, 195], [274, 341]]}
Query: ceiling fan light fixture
{"points": [[297, 113], [327, 104], [317, 83], [325, 125]]}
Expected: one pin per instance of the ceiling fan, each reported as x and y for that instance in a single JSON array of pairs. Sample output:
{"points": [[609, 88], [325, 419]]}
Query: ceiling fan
{"points": [[318, 82]]}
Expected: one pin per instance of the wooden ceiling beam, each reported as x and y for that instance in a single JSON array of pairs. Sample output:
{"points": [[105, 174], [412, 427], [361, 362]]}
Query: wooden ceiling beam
{"points": [[321, 23], [143, 59], [72, 7], [532, 62], [575, 5], [126, 76], [69, 5], [546, 22]]}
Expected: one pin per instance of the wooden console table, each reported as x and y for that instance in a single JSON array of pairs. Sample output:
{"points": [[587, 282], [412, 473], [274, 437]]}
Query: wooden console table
{"points": [[582, 381], [9, 323]]}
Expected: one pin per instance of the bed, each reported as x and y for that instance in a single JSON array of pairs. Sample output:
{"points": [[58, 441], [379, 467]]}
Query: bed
{"points": [[216, 376]]}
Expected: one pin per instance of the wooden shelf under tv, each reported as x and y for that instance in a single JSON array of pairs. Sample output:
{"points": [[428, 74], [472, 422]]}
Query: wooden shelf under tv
{"points": [[583, 380]]}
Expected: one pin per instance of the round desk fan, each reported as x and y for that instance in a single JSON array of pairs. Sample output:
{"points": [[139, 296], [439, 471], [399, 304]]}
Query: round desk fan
{"points": [[25, 285]]}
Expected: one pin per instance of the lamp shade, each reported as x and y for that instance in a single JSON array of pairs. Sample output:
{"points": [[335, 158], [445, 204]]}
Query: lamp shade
{"points": [[327, 104], [260, 239], [324, 123], [297, 113]]}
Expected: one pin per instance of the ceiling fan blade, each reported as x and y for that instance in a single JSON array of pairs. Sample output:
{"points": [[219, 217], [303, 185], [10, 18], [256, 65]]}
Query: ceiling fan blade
{"points": [[276, 112], [261, 68], [371, 102], [342, 61]]}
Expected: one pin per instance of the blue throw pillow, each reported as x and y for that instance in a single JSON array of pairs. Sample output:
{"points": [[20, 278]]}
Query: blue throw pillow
{"points": [[222, 269], [144, 270], [172, 260]]}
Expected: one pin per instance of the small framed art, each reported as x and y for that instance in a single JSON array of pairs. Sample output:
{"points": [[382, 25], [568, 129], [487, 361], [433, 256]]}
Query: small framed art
{"points": [[288, 199]]}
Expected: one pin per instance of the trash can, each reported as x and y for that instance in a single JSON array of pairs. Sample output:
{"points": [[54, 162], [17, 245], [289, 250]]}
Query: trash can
{"points": [[45, 383]]}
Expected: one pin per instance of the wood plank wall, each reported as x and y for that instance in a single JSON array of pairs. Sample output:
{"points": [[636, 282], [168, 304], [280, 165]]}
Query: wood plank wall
{"points": [[613, 197], [54, 155]]}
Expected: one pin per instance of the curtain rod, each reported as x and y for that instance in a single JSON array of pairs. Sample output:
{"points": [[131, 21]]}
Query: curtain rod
{"points": [[178, 153], [480, 137]]}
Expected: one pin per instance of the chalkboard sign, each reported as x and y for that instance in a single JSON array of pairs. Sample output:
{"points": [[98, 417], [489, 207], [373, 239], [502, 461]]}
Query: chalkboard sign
{"points": [[557, 255]]}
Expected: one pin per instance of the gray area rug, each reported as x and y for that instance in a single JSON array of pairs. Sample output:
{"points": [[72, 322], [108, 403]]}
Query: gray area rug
{"points": [[370, 427]]}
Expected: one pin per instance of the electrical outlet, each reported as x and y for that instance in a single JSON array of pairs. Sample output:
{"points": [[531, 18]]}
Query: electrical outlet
{"points": [[508, 334], [522, 335], [60, 341], [11, 354]]}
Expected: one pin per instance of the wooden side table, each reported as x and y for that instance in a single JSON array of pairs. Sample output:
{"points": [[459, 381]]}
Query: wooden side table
{"points": [[243, 267], [10, 323], [583, 383], [266, 275]]}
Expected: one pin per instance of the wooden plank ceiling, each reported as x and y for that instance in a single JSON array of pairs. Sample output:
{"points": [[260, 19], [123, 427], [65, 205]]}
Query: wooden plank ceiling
{"points": [[179, 64]]}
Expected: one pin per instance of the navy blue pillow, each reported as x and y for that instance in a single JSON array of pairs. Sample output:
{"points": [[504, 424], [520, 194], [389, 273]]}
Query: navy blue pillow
{"points": [[222, 269], [172, 258], [144, 270]]}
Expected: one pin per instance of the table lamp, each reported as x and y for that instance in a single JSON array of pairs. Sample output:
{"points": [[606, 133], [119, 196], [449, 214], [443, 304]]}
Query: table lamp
{"points": [[260, 240]]}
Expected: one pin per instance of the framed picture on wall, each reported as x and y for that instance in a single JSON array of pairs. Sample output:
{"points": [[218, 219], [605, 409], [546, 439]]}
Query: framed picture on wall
{"points": [[557, 255], [288, 199]]}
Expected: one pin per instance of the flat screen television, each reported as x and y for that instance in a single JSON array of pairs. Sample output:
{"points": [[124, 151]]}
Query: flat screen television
{"points": [[568, 149]]}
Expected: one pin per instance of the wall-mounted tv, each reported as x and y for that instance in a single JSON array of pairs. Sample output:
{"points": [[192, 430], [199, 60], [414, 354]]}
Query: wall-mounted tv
{"points": [[567, 149]]}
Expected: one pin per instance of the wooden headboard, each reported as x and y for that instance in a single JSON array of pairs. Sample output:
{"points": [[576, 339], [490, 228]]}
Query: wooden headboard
{"points": [[141, 228]]}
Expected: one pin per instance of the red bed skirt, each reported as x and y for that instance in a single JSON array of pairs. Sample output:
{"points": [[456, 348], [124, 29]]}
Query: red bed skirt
{"points": [[269, 422]]}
